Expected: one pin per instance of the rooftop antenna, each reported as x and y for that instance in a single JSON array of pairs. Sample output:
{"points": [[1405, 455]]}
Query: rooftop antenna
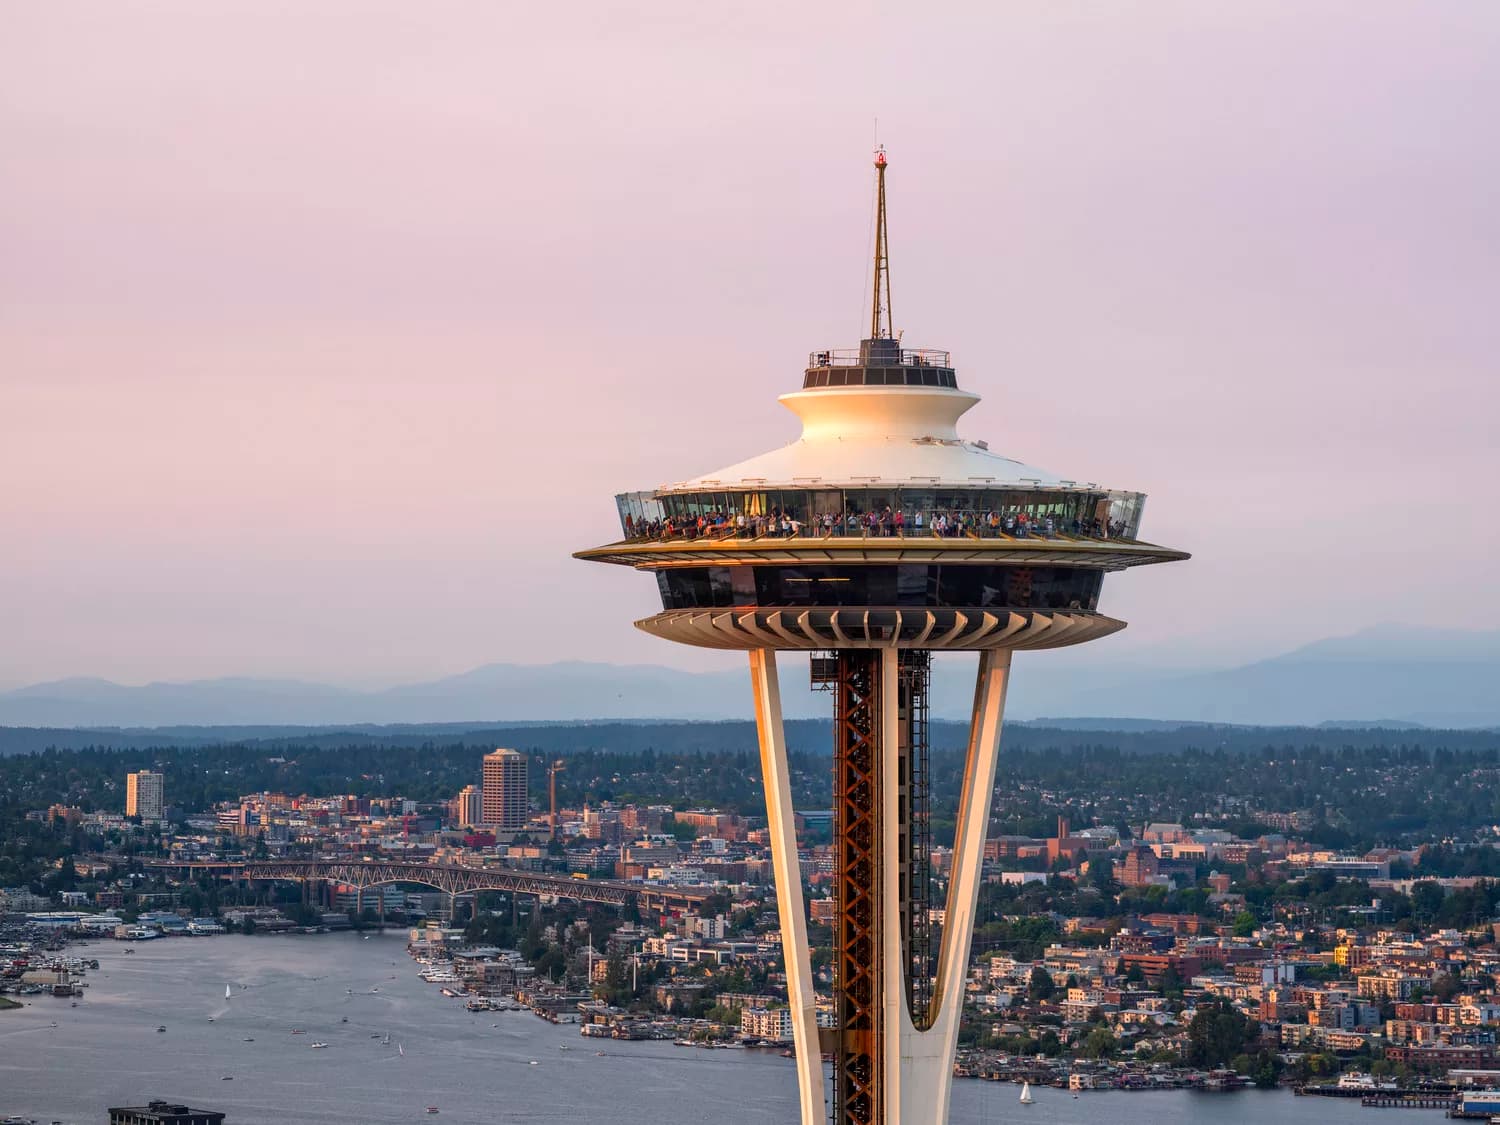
{"points": [[880, 305]]}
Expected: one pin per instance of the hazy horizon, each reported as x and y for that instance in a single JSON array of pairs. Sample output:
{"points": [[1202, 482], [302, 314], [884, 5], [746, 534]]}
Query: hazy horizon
{"points": [[327, 333]]}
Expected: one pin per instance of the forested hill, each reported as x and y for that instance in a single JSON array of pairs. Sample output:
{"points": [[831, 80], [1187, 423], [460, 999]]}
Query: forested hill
{"points": [[807, 736], [1355, 788]]}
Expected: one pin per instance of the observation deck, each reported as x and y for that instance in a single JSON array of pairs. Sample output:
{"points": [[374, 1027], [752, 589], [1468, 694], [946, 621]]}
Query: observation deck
{"points": [[881, 527], [880, 363]]}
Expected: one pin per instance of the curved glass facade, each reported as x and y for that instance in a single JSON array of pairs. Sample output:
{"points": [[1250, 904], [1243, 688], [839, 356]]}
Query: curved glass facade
{"points": [[879, 377], [952, 585], [876, 511]]}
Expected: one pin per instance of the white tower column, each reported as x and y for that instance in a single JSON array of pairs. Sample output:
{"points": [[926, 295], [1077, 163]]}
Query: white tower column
{"points": [[919, 1064], [782, 827]]}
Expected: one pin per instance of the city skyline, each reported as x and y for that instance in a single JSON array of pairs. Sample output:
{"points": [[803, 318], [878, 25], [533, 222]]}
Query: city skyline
{"points": [[284, 322], [333, 341]]}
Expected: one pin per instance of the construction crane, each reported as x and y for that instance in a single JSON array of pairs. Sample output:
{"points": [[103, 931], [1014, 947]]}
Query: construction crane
{"points": [[552, 771]]}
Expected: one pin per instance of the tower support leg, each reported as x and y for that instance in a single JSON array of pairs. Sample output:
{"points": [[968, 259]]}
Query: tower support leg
{"points": [[781, 826], [919, 1063], [866, 796], [894, 1048]]}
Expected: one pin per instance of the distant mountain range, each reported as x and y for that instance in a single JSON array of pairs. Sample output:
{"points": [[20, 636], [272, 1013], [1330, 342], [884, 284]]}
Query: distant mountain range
{"points": [[1386, 676]]}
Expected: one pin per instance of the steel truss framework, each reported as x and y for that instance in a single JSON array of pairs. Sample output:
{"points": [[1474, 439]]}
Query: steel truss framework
{"points": [[860, 804], [453, 879], [858, 1059], [914, 819]]}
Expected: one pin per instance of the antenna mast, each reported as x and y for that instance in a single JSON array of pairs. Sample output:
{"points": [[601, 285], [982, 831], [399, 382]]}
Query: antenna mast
{"points": [[880, 304]]}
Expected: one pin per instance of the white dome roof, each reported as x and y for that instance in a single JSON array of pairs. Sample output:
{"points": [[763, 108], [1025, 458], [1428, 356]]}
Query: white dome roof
{"points": [[862, 435]]}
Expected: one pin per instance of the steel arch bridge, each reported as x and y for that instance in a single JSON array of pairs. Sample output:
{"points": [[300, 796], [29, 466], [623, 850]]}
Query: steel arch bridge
{"points": [[450, 878]]}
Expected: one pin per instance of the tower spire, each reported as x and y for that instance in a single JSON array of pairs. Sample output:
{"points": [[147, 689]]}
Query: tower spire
{"points": [[880, 304]]}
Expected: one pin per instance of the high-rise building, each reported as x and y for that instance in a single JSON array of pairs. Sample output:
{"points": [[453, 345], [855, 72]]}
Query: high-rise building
{"points": [[1140, 867], [876, 538], [143, 795], [467, 809], [505, 807]]}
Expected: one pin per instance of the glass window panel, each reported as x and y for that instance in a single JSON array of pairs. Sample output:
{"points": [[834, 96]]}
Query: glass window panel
{"points": [[952, 585], [880, 585], [742, 585], [911, 585], [721, 585]]}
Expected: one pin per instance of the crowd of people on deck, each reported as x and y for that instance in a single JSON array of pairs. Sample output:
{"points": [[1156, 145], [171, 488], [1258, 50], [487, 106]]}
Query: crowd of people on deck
{"points": [[782, 523]]}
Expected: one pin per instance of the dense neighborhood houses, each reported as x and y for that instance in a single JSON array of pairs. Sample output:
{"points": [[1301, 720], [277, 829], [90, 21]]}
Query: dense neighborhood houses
{"points": [[1105, 955]]}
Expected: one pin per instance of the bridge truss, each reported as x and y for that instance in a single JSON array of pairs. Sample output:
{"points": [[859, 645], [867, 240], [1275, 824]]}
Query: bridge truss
{"points": [[450, 878]]}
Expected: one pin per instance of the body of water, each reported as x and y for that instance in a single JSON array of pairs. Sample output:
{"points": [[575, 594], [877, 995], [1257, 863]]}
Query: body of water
{"points": [[475, 1067]]}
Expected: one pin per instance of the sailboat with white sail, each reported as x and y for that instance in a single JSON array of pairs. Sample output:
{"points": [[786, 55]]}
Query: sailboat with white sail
{"points": [[1026, 1098]]}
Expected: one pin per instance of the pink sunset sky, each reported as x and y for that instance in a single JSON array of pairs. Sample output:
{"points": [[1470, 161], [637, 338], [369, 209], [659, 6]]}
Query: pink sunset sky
{"points": [[328, 329]]}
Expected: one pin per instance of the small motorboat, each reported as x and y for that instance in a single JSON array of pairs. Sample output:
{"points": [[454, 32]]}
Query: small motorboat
{"points": [[533, 1063], [298, 1031], [318, 1045], [431, 1108], [344, 1020], [248, 1039], [227, 1078], [162, 1028], [210, 1019]]}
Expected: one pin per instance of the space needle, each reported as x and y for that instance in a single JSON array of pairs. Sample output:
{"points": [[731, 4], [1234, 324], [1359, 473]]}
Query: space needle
{"points": [[876, 538]]}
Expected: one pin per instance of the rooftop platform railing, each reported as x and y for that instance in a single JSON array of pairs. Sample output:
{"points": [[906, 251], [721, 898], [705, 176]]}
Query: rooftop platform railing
{"points": [[857, 357], [936, 525]]}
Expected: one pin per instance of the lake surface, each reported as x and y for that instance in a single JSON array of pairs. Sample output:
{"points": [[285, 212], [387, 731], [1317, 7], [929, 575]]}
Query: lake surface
{"points": [[476, 1067]]}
